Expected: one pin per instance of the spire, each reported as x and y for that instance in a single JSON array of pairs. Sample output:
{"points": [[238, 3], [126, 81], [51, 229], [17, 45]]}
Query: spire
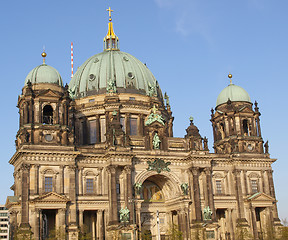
{"points": [[44, 55], [230, 77], [111, 40]]}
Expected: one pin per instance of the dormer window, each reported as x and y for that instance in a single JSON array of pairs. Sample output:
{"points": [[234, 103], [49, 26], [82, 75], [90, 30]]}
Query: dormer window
{"points": [[48, 114]]}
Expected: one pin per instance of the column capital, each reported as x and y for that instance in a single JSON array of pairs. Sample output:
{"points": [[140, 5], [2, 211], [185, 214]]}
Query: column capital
{"points": [[194, 170], [207, 170], [127, 169], [111, 169], [72, 168], [25, 167]]}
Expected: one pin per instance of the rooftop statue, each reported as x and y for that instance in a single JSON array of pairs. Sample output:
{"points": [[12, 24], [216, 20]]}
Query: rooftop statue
{"points": [[154, 117]]}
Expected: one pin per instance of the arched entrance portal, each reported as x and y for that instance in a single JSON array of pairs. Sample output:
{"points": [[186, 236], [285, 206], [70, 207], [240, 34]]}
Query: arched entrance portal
{"points": [[159, 193]]}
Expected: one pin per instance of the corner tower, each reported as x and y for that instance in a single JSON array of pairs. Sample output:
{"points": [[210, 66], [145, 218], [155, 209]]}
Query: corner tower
{"points": [[236, 125], [43, 108]]}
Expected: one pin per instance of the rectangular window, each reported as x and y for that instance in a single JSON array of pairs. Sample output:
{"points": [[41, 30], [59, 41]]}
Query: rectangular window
{"points": [[103, 129], [254, 186], [48, 184], [218, 187], [92, 131], [89, 185], [133, 126], [122, 122]]}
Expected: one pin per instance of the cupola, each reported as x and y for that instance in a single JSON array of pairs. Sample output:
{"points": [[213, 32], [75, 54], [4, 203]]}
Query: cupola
{"points": [[44, 74]]}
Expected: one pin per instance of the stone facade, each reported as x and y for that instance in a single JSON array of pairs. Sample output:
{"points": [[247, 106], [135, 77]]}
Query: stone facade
{"points": [[108, 164]]}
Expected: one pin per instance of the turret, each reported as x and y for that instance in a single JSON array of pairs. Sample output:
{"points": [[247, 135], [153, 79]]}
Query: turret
{"points": [[43, 108], [236, 125]]}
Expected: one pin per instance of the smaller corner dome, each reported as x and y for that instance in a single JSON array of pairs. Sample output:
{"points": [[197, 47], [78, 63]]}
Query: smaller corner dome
{"points": [[234, 93], [44, 74]]}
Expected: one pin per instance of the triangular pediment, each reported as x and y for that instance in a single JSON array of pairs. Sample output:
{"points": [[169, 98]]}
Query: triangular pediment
{"points": [[260, 197], [51, 197], [156, 124], [245, 109], [49, 93]]}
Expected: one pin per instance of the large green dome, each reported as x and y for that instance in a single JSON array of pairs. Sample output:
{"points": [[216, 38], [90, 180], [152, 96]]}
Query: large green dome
{"points": [[127, 73], [44, 74], [234, 93]]}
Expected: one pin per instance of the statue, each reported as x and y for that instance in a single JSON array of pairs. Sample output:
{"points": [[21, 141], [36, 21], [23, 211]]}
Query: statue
{"points": [[111, 86], [158, 165], [167, 99], [205, 140], [207, 213], [154, 116], [156, 141], [184, 187], [138, 188], [124, 215], [151, 90], [266, 145]]}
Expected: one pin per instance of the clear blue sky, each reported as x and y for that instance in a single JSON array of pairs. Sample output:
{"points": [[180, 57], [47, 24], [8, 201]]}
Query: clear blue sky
{"points": [[190, 46]]}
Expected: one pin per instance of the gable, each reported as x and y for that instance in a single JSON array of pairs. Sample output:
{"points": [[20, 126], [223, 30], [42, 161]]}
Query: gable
{"points": [[51, 197], [260, 197], [49, 93]]}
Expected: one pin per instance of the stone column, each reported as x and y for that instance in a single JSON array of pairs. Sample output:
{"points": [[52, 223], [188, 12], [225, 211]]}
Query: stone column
{"points": [[62, 217], [94, 225], [229, 222], [99, 187], [25, 169], [254, 225], [272, 193], [196, 195], [100, 224], [210, 192], [36, 180], [13, 223], [238, 193], [81, 219], [245, 182], [80, 181], [205, 188], [36, 222], [72, 194], [98, 140], [141, 125], [62, 179], [113, 208], [129, 191]]}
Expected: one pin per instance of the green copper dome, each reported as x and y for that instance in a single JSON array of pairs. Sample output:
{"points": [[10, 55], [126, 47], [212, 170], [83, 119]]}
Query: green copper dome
{"points": [[116, 71], [234, 93], [44, 74]]}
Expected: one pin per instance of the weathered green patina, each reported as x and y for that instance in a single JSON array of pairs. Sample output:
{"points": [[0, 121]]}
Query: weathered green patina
{"points": [[124, 215], [207, 213], [184, 187], [154, 116], [158, 165], [138, 188]]}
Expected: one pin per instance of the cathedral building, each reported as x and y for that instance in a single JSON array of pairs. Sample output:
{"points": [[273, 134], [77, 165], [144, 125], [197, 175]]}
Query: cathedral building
{"points": [[98, 158]]}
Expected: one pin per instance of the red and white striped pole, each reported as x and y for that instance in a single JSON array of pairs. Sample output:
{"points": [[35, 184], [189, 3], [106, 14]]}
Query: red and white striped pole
{"points": [[71, 59]]}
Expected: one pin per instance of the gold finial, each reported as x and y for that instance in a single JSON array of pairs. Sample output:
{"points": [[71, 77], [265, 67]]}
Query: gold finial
{"points": [[230, 76], [110, 10], [43, 54]]}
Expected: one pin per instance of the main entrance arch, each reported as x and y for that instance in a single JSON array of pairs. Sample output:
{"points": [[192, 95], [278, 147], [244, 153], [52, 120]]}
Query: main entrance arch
{"points": [[160, 192]]}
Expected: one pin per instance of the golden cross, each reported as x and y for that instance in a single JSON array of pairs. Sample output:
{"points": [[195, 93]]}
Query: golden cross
{"points": [[110, 10]]}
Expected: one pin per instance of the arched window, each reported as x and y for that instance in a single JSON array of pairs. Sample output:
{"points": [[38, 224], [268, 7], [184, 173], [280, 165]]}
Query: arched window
{"points": [[48, 114], [246, 128]]}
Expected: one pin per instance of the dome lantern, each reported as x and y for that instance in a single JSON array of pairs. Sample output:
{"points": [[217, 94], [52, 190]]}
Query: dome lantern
{"points": [[111, 40]]}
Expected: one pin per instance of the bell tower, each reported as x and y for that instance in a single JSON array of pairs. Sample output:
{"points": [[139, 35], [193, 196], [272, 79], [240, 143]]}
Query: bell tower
{"points": [[43, 108], [236, 125]]}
